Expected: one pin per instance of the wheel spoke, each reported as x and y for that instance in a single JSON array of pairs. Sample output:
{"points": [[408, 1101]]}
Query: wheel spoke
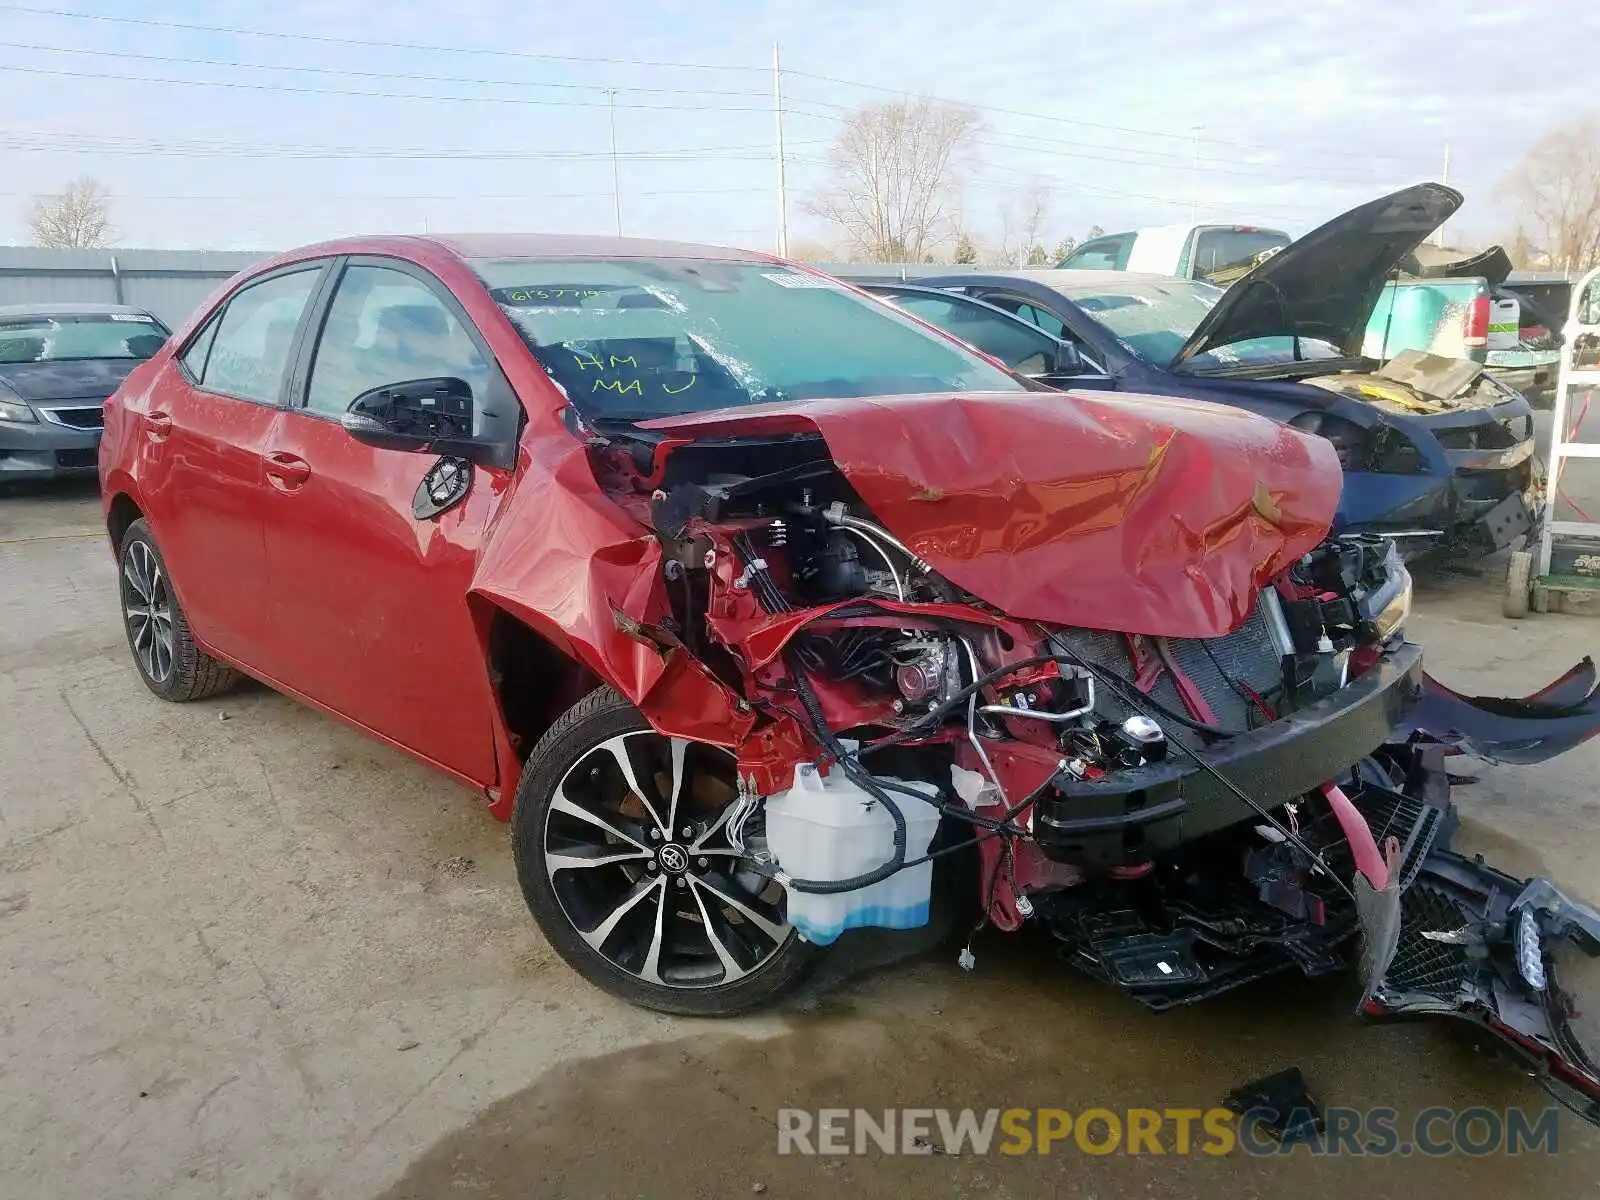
{"points": [[562, 804], [597, 936], [650, 972], [766, 924], [133, 573], [617, 747], [716, 826], [590, 856], [163, 656], [678, 748], [730, 965]]}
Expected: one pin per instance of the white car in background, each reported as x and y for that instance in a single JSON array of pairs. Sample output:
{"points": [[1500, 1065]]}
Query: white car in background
{"points": [[1214, 253]]}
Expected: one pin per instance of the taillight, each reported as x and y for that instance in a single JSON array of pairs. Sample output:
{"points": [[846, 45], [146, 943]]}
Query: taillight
{"points": [[1477, 331]]}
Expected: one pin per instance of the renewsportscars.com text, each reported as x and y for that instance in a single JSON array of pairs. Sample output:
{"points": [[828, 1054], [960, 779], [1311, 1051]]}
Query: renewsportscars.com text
{"points": [[1348, 1132]]}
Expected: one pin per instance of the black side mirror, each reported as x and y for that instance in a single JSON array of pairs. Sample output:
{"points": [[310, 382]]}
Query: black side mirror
{"points": [[1068, 360], [429, 415]]}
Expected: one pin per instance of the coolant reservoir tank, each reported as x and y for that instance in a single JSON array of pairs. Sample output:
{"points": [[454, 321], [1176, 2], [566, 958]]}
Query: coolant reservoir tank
{"points": [[826, 827]]}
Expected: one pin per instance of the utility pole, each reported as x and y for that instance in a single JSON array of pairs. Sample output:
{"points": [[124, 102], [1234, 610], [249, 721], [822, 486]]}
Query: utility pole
{"points": [[1194, 173], [1438, 237], [616, 180], [783, 190]]}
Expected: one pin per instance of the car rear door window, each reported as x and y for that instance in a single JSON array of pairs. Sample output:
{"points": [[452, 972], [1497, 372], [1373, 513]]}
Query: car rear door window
{"points": [[1102, 254], [249, 354], [386, 327]]}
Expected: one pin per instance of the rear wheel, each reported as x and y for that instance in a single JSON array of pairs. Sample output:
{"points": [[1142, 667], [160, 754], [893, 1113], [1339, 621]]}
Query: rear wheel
{"points": [[622, 850], [171, 664]]}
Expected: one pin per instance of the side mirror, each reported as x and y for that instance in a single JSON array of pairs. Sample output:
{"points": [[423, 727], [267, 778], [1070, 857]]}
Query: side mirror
{"points": [[1068, 360], [428, 415]]}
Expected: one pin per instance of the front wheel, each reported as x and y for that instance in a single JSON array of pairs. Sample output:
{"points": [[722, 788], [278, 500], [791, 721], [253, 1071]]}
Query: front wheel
{"points": [[622, 849]]}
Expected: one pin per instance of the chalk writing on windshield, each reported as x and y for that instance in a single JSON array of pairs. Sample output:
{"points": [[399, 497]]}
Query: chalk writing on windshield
{"points": [[621, 384]]}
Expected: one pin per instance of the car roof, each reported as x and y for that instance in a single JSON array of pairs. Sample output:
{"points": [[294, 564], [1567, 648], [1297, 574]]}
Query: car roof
{"points": [[14, 311], [1068, 278], [523, 245], [871, 273]]}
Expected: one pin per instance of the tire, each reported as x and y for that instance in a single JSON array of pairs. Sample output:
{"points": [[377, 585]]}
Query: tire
{"points": [[718, 943], [164, 651], [1518, 583]]}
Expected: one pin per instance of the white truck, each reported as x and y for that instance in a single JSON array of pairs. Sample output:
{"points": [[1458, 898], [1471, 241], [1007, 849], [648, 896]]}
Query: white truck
{"points": [[1217, 254]]}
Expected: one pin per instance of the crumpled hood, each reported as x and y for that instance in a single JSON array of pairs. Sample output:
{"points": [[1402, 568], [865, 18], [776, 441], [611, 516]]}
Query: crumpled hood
{"points": [[1140, 514], [84, 379]]}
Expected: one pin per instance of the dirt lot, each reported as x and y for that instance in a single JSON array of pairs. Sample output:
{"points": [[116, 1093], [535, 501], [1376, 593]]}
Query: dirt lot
{"points": [[246, 952]]}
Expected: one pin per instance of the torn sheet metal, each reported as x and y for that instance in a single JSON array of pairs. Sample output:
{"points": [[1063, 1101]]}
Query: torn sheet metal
{"points": [[1134, 514]]}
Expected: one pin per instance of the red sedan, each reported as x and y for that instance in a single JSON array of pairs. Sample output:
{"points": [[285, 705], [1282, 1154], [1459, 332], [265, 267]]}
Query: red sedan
{"points": [[750, 599]]}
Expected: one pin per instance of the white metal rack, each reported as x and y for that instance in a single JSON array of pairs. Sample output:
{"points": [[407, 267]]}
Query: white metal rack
{"points": [[1579, 370]]}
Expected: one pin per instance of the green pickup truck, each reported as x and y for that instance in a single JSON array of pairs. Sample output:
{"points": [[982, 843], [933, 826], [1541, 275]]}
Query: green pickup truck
{"points": [[1463, 314]]}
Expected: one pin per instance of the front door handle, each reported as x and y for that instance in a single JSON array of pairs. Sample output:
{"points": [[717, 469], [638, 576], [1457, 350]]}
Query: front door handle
{"points": [[287, 471], [158, 426]]}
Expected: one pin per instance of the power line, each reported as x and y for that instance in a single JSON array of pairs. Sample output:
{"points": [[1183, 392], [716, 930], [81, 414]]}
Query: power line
{"points": [[189, 60], [1365, 155], [240, 84], [54, 141], [318, 196], [330, 39]]}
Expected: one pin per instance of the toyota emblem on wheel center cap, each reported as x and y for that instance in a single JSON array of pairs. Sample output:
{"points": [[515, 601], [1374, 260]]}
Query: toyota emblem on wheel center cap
{"points": [[674, 858]]}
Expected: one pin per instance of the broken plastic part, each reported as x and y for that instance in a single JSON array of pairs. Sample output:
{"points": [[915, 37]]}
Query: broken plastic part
{"points": [[1281, 1104], [1534, 729]]}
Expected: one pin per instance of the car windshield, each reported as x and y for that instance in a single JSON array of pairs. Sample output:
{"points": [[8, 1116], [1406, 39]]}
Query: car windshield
{"points": [[76, 337], [1155, 317], [644, 337]]}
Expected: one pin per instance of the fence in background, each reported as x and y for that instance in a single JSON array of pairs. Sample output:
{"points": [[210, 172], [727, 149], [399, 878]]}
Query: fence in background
{"points": [[168, 283]]}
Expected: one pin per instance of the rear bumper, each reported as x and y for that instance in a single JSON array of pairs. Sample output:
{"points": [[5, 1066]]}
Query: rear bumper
{"points": [[46, 451], [1146, 812]]}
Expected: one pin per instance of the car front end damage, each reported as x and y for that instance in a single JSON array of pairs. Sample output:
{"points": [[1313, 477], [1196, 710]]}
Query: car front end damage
{"points": [[1176, 722]]}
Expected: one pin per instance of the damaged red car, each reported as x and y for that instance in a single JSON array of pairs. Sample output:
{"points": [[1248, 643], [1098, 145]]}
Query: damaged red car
{"points": [[764, 611]]}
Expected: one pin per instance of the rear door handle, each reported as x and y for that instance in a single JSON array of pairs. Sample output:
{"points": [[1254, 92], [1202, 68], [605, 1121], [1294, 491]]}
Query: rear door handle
{"points": [[158, 425], [287, 471]]}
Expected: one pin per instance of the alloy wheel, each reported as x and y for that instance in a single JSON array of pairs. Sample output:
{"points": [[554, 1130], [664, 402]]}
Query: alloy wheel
{"points": [[637, 850], [147, 607]]}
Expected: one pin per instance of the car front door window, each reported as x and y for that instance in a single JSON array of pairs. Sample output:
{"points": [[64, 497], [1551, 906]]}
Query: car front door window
{"points": [[386, 327], [1026, 351]]}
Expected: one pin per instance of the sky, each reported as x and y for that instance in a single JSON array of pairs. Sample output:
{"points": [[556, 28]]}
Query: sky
{"points": [[495, 114]]}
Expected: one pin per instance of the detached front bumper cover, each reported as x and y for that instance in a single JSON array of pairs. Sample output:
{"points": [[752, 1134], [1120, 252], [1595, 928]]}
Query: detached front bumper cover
{"points": [[1477, 945]]}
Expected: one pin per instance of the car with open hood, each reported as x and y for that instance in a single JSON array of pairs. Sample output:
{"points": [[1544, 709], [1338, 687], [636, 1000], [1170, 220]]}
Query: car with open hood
{"points": [[58, 363], [1435, 450], [764, 612]]}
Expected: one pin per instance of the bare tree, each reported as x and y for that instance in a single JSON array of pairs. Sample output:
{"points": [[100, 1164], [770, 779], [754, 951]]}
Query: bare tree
{"points": [[1022, 226], [896, 177], [79, 216], [1554, 191]]}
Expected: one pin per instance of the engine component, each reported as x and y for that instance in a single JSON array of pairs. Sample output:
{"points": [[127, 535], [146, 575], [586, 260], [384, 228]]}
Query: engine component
{"points": [[826, 827], [926, 670], [1144, 736], [833, 569]]}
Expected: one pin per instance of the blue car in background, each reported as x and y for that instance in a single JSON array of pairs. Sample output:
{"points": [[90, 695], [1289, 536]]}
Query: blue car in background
{"points": [[1435, 451]]}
